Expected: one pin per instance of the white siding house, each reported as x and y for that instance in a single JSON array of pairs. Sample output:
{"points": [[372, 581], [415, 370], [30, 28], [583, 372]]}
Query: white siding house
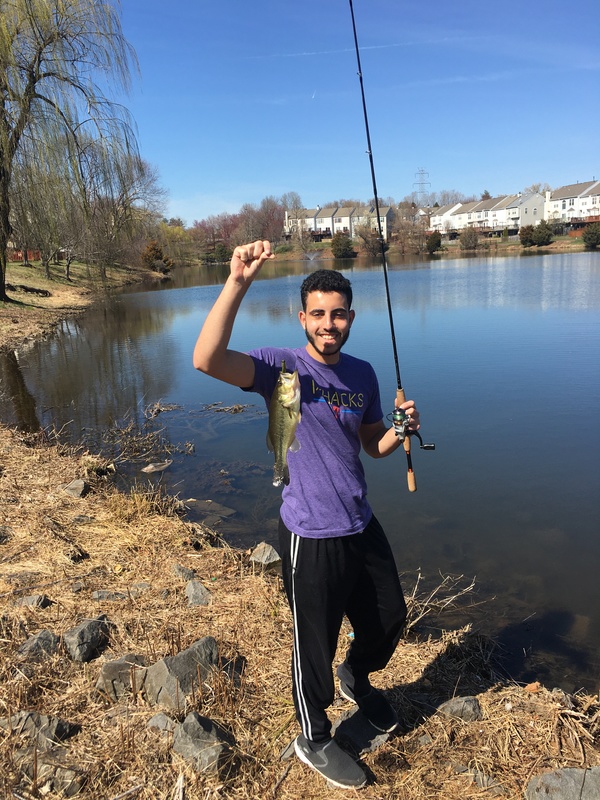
{"points": [[576, 201], [440, 217]]}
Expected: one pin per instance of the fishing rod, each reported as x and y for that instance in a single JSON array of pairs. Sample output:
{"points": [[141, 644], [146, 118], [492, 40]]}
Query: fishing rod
{"points": [[399, 418]]}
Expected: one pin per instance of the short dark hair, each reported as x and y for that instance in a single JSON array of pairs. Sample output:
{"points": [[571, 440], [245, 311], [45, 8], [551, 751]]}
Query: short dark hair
{"points": [[326, 280]]}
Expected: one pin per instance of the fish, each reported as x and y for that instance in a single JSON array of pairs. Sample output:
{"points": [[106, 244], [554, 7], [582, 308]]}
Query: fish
{"points": [[284, 416]]}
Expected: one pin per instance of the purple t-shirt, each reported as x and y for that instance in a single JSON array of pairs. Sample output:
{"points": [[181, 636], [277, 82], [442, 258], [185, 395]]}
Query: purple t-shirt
{"points": [[327, 493]]}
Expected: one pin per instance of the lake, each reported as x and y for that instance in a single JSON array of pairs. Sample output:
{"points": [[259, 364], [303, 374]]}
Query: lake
{"points": [[502, 356]]}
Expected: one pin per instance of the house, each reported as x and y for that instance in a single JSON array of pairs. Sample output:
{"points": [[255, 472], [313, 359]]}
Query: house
{"points": [[324, 221], [366, 216], [439, 219], [577, 202], [342, 220]]}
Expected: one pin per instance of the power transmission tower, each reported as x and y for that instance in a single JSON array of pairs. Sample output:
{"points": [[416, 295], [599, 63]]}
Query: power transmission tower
{"points": [[420, 187]]}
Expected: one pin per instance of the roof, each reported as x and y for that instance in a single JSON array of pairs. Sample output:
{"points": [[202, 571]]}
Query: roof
{"points": [[575, 190], [345, 212]]}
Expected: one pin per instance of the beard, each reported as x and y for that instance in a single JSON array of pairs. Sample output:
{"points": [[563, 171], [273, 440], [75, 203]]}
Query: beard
{"points": [[328, 350]]}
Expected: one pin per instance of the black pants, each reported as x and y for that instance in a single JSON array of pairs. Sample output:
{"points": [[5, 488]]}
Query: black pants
{"points": [[325, 579]]}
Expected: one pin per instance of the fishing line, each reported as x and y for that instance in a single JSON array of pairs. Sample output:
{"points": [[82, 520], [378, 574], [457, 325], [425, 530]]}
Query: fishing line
{"points": [[399, 418]]}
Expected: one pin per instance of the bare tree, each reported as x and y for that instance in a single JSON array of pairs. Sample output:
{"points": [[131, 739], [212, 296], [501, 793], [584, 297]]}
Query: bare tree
{"points": [[50, 55]]}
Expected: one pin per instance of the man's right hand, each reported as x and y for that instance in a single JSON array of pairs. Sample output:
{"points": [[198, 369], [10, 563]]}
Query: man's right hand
{"points": [[247, 260]]}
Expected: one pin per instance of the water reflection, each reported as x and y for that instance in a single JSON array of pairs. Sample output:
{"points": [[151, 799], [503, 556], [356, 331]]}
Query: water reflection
{"points": [[16, 394], [93, 372]]}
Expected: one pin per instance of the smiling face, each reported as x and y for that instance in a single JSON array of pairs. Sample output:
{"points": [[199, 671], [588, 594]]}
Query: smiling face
{"points": [[326, 321]]}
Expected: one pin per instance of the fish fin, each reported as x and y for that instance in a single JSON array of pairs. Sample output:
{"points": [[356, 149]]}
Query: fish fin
{"points": [[270, 447], [295, 446]]}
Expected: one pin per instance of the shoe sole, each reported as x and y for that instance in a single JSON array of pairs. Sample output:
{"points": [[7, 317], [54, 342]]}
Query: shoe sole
{"points": [[305, 760], [351, 699]]}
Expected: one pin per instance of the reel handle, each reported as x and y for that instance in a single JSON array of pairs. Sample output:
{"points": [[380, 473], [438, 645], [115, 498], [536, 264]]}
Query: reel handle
{"points": [[410, 475]]}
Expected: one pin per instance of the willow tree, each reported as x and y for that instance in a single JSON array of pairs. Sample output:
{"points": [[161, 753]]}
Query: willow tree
{"points": [[58, 61]]}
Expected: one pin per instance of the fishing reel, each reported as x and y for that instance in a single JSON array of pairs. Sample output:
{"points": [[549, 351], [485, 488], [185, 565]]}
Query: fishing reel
{"points": [[401, 421]]}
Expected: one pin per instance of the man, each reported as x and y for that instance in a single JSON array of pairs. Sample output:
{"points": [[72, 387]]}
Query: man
{"points": [[335, 556]]}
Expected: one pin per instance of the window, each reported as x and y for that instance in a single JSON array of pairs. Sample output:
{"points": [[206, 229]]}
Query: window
{"points": [[338, 220], [535, 212]]}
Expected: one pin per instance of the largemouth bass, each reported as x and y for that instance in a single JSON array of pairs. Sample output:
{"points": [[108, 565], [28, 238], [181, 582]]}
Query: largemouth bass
{"points": [[284, 416]]}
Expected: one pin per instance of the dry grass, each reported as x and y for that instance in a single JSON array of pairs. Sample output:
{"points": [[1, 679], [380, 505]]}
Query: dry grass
{"points": [[524, 730]]}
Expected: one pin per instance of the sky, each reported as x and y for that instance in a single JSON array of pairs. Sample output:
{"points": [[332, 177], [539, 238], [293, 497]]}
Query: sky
{"points": [[236, 101]]}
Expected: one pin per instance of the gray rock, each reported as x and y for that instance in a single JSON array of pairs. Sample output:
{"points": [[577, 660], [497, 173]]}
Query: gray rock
{"points": [[162, 723], [76, 488], [139, 588], [88, 639], [210, 507], [123, 675], [197, 594], [185, 573], [6, 532], [465, 708], [52, 770], [266, 556], [39, 646], [46, 730], [34, 600], [197, 740], [172, 679], [565, 784], [108, 594]]}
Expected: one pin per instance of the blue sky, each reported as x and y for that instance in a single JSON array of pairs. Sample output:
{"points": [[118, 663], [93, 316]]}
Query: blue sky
{"points": [[240, 100]]}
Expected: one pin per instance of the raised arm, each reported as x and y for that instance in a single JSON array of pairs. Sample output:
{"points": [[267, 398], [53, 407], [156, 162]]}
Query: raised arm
{"points": [[212, 354]]}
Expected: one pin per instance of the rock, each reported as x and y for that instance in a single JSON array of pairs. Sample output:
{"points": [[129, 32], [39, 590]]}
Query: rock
{"points": [[139, 588], [123, 675], [171, 679], [46, 731], [565, 784], [162, 723], [210, 507], [6, 533], [52, 770], [185, 573], [197, 594], [266, 556], [76, 488], [197, 740], [465, 708], [88, 639], [108, 594], [42, 645], [82, 519], [34, 600]]}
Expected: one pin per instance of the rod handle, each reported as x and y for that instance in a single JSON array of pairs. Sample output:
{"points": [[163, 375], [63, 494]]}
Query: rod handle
{"points": [[410, 475]]}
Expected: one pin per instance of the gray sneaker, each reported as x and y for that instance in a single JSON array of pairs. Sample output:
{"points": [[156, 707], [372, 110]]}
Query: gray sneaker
{"points": [[373, 704], [330, 761]]}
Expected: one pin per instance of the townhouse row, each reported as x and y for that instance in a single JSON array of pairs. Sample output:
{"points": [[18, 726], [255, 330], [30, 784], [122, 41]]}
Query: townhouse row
{"points": [[322, 223], [575, 204]]}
